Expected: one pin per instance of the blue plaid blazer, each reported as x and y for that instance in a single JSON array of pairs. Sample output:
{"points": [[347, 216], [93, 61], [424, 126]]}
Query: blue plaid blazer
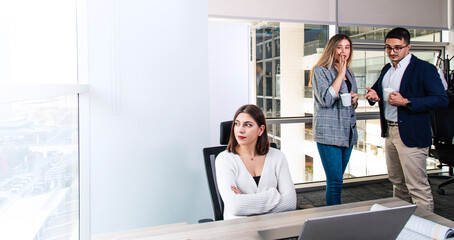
{"points": [[333, 123]]}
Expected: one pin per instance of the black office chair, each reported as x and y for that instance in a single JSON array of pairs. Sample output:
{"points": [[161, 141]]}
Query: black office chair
{"points": [[210, 154], [442, 121]]}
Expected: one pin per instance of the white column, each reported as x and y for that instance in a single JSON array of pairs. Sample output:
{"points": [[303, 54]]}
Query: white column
{"points": [[292, 84]]}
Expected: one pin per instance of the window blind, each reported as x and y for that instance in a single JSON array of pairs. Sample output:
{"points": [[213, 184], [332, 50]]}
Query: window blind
{"points": [[427, 14], [307, 11]]}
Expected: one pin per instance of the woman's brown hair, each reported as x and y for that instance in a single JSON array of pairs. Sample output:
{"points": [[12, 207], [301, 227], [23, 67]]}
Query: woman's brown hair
{"points": [[263, 145]]}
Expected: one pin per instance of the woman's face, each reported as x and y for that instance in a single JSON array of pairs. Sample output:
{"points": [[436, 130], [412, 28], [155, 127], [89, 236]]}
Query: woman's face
{"points": [[342, 50], [247, 130]]}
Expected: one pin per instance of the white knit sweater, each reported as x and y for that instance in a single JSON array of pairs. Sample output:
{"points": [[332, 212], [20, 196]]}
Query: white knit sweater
{"points": [[275, 192]]}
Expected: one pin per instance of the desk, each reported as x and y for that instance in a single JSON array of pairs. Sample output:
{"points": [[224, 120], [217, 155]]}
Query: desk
{"points": [[246, 228]]}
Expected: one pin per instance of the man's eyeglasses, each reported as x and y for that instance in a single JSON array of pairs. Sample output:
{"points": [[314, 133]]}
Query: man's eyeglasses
{"points": [[396, 49]]}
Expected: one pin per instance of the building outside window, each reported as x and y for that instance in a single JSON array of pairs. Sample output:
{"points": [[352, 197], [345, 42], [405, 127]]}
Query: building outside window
{"points": [[39, 188]]}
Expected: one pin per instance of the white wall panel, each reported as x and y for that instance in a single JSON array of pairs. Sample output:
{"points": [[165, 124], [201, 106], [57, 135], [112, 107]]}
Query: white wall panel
{"points": [[149, 113], [229, 51]]}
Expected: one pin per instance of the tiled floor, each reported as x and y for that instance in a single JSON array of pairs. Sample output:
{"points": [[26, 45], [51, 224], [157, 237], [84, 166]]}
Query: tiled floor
{"points": [[444, 204]]}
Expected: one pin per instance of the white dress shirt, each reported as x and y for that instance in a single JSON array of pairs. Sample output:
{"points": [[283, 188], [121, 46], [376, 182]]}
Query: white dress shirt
{"points": [[392, 79]]}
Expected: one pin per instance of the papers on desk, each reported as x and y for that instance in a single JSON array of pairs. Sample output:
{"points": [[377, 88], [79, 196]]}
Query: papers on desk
{"points": [[420, 229]]}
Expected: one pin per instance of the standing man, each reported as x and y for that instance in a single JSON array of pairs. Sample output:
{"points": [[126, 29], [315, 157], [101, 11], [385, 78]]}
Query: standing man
{"points": [[404, 118]]}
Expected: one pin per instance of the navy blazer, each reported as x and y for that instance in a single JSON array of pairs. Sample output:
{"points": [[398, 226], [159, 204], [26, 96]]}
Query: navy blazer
{"points": [[421, 84]]}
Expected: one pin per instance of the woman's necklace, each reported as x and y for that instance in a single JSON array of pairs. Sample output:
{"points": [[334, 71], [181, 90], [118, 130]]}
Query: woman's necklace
{"points": [[252, 156]]}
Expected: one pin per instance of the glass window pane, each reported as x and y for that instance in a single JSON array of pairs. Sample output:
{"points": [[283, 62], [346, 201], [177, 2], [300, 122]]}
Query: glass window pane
{"points": [[39, 191], [277, 47], [304, 44], [260, 103], [366, 66], [259, 52], [269, 86], [429, 56], [367, 159], [268, 50]]}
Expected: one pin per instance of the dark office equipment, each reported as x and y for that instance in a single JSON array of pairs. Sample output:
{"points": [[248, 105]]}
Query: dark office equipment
{"points": [[377, 224], [442, 121], [210, 154]]}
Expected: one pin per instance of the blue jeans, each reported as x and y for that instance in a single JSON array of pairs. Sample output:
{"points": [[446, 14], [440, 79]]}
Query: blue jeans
{"points": [[334, 160]]}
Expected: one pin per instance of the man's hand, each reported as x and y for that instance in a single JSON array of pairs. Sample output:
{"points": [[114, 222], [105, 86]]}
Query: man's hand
{"points": [[371, 95], [396, 99]]}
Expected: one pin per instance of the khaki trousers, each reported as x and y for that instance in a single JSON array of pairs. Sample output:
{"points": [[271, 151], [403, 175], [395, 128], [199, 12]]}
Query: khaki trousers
{"points": [[407, 171]]}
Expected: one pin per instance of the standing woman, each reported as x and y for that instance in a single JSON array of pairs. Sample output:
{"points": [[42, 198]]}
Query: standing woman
{"points": [[252, 177], [334, 124]]}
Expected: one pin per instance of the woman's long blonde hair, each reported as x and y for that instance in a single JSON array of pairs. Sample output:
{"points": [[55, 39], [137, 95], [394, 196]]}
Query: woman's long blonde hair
{"points": [[327, 58]]}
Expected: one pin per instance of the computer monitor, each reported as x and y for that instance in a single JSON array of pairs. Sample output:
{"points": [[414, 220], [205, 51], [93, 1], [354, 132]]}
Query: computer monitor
{"points": [[381, 225]]}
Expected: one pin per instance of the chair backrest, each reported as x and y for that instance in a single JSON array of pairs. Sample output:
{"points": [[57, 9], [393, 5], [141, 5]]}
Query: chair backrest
{"points": [[210, 154], [225, 132], [442, 123]]}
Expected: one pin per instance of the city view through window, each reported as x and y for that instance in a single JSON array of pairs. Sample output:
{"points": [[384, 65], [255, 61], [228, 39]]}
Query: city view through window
{"points": [[39, 187]]}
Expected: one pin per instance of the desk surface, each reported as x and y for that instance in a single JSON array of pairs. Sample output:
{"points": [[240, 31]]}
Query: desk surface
{"points": [[246, 228]]}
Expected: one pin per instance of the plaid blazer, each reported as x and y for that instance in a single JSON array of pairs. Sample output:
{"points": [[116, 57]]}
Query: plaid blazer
{"points": [[333, 123]]}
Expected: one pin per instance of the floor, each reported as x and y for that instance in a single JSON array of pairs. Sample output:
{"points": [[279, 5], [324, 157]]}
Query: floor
{"points": [[444, 204]]}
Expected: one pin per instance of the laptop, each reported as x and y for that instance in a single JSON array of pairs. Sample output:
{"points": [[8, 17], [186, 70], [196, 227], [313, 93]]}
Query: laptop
{"points": [[381, 225]]}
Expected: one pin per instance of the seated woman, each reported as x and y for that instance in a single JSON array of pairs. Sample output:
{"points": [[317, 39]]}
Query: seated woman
{"points": [[252, 177]]}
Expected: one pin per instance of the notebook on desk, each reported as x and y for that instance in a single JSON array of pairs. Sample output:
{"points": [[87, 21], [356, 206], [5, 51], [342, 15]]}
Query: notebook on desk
{"points": [[380, 225]]}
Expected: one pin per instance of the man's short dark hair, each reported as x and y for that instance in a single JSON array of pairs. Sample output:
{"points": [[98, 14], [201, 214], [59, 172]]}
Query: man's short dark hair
{"points": [[400, 33]]}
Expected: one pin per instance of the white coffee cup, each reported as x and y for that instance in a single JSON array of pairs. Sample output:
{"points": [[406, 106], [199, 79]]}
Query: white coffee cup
{"points": [[386, 93], [346, 99]]}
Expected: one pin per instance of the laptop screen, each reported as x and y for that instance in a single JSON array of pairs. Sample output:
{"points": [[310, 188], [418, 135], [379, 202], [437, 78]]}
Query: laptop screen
{"points": [[381, 224]]}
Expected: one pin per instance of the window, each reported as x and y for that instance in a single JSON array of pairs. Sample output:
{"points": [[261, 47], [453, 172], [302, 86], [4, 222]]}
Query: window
{"points": [[285, 54], [302, 42], [282, 55], [39, 120], [39, 187]]}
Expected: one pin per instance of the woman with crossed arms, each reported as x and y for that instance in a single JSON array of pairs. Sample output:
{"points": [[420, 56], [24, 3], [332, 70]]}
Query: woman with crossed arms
{"points": [[252, 177]]}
